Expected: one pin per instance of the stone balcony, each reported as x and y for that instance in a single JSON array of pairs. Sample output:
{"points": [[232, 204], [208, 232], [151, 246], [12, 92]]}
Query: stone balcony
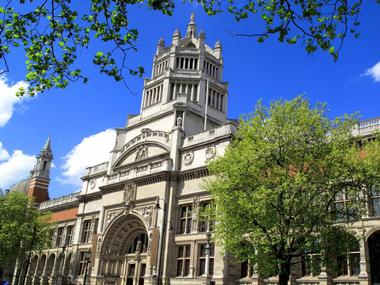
{"points": [[226, 129], [60, 202], [96, 169], [147, 135], [367, 127], [140, 170]]}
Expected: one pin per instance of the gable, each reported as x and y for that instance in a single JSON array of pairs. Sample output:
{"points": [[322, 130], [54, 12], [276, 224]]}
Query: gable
{"points": [[141, 152]]}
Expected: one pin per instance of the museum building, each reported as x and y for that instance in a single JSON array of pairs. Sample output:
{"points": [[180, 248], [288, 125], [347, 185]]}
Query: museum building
{"points": [[136, 219]]}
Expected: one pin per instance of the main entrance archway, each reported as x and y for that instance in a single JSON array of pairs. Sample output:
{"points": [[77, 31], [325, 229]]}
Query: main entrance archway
{"points": [[374, 257], [124, 252]]}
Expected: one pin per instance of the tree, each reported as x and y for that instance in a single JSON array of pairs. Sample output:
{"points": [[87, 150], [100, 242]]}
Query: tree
{"points": [[22, 229], [52, 33], [276, 184]]}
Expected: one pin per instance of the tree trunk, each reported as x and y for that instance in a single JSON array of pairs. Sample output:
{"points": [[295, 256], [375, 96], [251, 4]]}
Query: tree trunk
{"points": [[284, 272]]}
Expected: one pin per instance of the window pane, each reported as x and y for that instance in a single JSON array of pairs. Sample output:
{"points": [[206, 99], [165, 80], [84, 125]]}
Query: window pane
{"points": [[355, 263], [342, 265], [202, 264], [179, 267], [180, 251], [186, 270], [211, 269], [187, 250], [376, 206], [188, 226]]}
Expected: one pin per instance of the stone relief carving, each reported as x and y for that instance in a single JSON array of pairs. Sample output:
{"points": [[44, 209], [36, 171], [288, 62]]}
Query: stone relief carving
{"points": [[195, 213], [92, 184], [142, 153], [210, 152], [146, 212], [188, 158], [110, 216]]}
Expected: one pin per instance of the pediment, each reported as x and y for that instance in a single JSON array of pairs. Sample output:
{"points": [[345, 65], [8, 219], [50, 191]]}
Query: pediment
{"points": [[141, 152]]}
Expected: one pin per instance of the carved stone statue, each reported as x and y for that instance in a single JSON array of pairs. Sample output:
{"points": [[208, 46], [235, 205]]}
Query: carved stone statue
{"points": [[179, 121], [142, 152], [129, 193]]}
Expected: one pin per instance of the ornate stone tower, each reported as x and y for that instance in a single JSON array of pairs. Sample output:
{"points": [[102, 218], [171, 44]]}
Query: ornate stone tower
{"points": [[187, 77], [40, 175]]}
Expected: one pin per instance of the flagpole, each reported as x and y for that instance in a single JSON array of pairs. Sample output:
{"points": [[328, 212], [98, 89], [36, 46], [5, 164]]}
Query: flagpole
{"points": [[206, 108]]}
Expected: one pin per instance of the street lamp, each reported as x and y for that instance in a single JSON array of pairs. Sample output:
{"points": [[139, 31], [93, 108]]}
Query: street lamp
{"points": [[207, 253], [87, 260]]}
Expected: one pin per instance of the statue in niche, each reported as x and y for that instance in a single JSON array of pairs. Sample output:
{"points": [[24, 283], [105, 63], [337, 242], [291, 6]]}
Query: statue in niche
{"points": [[142, 152], [179, 121], [129, 193]]}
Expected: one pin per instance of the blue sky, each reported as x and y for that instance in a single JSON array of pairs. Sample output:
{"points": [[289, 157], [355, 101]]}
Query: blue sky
{"points": [[80, 118]]}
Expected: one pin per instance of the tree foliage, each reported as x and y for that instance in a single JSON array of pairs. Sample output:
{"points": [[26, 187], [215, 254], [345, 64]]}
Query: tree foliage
{"points": [[22, 229], [54, 32], [315, 24], [276, 186]]}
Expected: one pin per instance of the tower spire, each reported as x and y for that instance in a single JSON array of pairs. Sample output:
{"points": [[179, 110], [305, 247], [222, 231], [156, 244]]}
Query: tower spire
{"points": [[40, 175], [44, 159], [47, 146], [191, 27]]}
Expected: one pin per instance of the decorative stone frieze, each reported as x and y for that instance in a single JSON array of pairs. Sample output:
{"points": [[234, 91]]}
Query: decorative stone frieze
{"points": [[146, 212]]}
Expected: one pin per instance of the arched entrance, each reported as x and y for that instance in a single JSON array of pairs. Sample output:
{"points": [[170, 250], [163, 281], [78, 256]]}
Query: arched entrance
{"points": [[124, 253], [374, 257]]}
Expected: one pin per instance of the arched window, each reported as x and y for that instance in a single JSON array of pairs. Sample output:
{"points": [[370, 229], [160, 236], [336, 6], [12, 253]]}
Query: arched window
{"points": [[139, 244]]}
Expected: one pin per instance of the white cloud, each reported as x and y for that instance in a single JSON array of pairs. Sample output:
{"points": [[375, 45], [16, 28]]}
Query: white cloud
{"points": [[374, 72], [8, 98], [90, 151], [14, 167], [4, 154]]}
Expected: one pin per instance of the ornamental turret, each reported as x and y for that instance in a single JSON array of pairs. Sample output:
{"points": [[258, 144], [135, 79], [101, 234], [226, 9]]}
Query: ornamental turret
{"points": [[187, 80]]}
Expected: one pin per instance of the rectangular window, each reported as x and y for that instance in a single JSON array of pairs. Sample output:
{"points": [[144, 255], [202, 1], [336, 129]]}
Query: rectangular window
{"points": [[82, 262], [375, 201], [195, 93], [185, 219], [86, 231], [204, 220], [59, 237], [69, 235], [354, 259], [343, 209], [183, 260], [203, 249]]}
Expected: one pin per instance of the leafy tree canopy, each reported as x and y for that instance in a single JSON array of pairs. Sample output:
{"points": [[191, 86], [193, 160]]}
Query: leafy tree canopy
{"points": [[22, 229], [53, 32], [276, 186]]}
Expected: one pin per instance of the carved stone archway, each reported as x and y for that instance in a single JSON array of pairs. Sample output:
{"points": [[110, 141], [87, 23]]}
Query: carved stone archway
{"points": [[124, 253]]}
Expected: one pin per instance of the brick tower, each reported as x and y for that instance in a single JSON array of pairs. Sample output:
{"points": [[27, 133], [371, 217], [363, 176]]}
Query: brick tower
{"points": [[39, 181]]}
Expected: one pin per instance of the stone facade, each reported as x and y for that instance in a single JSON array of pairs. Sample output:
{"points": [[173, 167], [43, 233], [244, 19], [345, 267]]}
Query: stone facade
{"points": [[136, 219]]}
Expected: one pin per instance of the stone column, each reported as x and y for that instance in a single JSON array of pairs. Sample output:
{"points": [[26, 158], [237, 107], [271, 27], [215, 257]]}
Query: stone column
{"points": [[43, 278], [35, 279], [28, 277], [363, 275], [53, 277], [323, 277], [255, 275]]}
